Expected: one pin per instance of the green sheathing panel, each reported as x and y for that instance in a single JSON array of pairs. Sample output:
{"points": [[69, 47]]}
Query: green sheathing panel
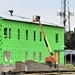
{"points": [[62, 58], [20, 46], [1, 20], [51, 35]]}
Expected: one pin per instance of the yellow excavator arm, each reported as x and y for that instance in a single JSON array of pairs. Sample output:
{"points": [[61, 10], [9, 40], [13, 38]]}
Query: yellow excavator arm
{"points": [[37, 19], [51, 58], [45, 39]]}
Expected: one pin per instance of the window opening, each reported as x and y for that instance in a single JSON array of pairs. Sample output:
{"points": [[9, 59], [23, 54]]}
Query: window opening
{"points": [[26, 55], [26, 34], [34, 35], [18, 33], [34, 56], [40, 36], [9, 32], [40, 56], [56, 38], [5, 32], [7, 55]]}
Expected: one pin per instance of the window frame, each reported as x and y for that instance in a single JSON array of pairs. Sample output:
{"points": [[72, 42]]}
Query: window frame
{"points": [[7, 56]]}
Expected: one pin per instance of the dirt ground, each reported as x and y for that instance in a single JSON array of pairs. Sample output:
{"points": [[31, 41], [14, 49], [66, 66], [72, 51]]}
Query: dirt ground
{"points": [[35, 66]]}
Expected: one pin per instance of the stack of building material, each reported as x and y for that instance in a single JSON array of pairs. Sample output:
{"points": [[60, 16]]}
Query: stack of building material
{"points": [[32, 66], [6, 69], [20, 66]]}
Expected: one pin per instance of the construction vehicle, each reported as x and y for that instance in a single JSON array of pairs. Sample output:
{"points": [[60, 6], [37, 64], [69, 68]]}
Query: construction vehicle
{"points": [[51, 59]]}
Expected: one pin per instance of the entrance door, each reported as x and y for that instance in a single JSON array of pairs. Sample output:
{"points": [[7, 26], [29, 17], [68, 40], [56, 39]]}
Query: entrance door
{"points": [[57, 56]]}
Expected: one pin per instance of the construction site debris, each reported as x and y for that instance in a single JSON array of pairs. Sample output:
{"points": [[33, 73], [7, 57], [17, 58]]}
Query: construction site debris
{"points": [[32, 66], [6, 69], [63, 67]]}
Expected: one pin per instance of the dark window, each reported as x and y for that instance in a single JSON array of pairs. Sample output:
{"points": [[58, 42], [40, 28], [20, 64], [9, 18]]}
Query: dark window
{"points": [[18, 33], [40, 36], [26, 34], [9, 32], [56, 38], [5, 32], [34, 35]]}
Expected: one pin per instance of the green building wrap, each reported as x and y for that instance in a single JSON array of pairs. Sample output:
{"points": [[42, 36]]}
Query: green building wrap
{"points": [[21, 41]]}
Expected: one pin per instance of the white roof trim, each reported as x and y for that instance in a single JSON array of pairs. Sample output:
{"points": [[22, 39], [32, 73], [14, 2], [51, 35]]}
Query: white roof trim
{"points": [[24, 19]]}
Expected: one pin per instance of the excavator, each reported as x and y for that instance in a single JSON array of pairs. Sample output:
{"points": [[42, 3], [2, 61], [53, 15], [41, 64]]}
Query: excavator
{"points": [[51, 59]]}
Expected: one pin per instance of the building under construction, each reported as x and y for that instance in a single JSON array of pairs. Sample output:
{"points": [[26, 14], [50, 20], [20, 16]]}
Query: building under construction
{"points": [[22, 40]]}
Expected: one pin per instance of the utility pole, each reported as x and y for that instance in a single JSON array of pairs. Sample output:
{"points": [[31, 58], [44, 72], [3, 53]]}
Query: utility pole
{"points": [[62, 13], [65, 21], [65, 15], [69, 14], [65, 18]]}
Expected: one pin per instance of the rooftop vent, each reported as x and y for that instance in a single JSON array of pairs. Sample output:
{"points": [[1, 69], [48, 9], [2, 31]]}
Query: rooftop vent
{"points": [[11, 12]]}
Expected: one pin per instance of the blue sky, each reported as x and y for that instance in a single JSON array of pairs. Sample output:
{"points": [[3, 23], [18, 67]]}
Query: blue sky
{"points": [[47, 9]]}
